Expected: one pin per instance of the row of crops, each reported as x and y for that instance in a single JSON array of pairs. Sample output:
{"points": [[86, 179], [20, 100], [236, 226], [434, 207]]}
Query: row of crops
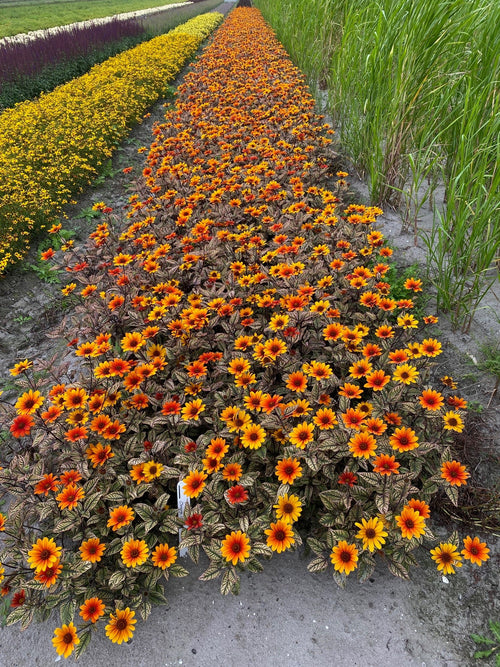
{"points": [[51, 147], [412, 86], [30, 65], [239, 341]]}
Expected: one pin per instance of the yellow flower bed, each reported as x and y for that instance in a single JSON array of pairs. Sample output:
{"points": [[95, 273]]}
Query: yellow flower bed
{"points": [[52, 147]]}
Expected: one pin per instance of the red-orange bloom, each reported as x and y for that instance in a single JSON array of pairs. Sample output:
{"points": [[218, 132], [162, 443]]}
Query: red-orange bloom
{"points": [[287, 470], [403, 439], [235, 547], [362, 445], [386, 465], [46, 484], [194, 483], [475, 551], [454, 473], [92, 609], [377, 380], [70, 496], [22, 426]]}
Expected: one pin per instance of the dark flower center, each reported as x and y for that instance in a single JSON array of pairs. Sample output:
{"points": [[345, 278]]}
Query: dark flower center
{"points": [[345, 557], [370, 533], [121, 624]]}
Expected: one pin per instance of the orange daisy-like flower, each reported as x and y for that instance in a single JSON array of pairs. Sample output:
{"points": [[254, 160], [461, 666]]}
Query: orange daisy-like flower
{"points": [[92, 550], [75, 398], [403, 439], [212, 464], [132, 341], [49, 576], [254, 401], [29, 402], [252, 436], [372, 533], [194, 483], [301, 434], [362, 445], [280, 536], [137, 473], [92, 609], [411, 523], [44, 554], [235, 547], [453, 422], [431, 399], [238, 366], [344, 557], [120, 516], [121, 625], [232, 472], [375, 426], [325, 419], [22, 425], [70, 496], [193, 409], [454, 473], [405, 374], [376, 380], [446, 557], [98, 454], [151, 470], [164, 556], [353, 418], [217, 448], [297, 382], [134, 553], [350, 390], [236, 494], [70, 477], [419, 506], [319, 370], [288, 470], [274, 347], [65, 640], [269, 403], [475, 550], [386, 465], [430, 347], [288, 508], [46, 484]]}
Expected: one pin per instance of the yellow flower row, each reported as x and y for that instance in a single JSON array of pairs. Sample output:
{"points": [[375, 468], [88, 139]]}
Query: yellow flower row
{"points": [[50, 148]]}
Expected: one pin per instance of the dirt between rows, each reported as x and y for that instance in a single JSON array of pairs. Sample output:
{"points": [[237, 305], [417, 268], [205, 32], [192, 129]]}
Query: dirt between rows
{"points": [[285, 617]]}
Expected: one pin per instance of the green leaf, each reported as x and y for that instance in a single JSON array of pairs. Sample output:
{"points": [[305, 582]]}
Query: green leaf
{"points": [[315, 545], [479, 639], [177, 570], [484, 654], [318, 564], [85, 637], [229, 583], [116, 580], [495, 629], [67, 611], [212, 572], [331, 499], [452, 493]]}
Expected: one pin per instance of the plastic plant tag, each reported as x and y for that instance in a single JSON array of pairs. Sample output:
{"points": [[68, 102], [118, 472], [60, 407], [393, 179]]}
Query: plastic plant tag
{"points": [[182, 501]]}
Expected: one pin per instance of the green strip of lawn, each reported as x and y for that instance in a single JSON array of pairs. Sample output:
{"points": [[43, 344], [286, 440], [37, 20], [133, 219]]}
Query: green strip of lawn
{"points": [[24, 15]]}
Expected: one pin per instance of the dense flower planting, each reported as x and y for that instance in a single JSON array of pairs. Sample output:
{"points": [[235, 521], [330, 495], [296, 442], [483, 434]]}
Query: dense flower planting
{"points": [[237, 337], [50, 148]]}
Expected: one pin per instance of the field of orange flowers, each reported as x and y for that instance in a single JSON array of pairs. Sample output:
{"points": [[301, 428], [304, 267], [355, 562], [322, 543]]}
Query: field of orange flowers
{"points": [[238, 338]]}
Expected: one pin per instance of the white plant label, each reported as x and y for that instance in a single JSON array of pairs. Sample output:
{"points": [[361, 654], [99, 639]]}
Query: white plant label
{"points": [[182, 501]]}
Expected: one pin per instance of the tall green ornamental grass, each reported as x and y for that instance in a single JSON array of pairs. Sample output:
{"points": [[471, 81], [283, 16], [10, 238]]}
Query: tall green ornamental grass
{"points": [[413, 91]]}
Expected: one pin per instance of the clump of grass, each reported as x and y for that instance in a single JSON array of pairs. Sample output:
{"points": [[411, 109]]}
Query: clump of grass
{"points": [[413, 91]]}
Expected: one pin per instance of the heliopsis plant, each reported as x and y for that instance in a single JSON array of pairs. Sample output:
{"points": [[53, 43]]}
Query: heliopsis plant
{"points": [[242, 354]]}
